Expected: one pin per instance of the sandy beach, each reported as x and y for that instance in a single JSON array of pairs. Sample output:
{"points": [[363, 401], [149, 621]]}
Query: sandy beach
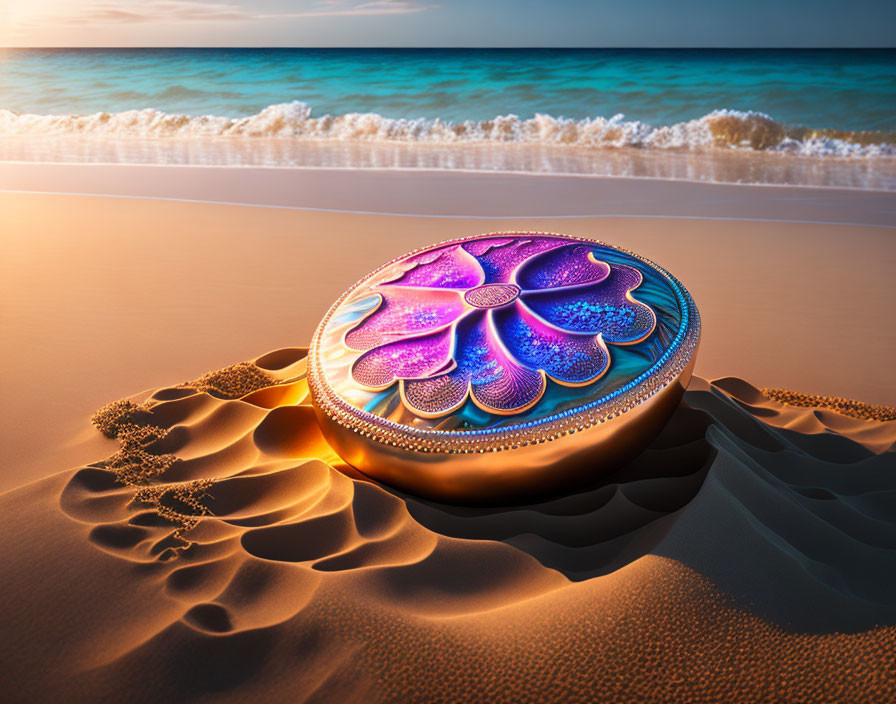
{"points": [[143, 291], [747, 555]]}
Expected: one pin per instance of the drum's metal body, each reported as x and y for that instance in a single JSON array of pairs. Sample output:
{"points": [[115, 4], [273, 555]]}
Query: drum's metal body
{"points": [[523, 442]]}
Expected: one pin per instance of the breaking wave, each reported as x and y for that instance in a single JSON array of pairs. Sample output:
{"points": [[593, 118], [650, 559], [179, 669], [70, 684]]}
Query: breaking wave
{"points": [[720, 129]]}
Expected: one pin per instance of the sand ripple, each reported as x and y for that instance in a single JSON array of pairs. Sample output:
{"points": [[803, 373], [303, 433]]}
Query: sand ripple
{"points": [[749, 551]]}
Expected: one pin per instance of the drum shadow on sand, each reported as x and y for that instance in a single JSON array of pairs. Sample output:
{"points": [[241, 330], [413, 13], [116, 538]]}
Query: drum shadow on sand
{"points": [[597, 529]]}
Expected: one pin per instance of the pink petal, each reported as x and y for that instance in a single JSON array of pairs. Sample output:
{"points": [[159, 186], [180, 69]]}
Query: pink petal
{"points": [[410, 358], [405, 312], [449, 267]]}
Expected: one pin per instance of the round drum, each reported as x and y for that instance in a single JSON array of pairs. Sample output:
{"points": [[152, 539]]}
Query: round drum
{"points": [[502, 366]]}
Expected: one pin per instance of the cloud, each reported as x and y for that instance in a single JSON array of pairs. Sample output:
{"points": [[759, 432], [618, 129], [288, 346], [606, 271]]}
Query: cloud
{"points": [[375, 7], [158, 11]]}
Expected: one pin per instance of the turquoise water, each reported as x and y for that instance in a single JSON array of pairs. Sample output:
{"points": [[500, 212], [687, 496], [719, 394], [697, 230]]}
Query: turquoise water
{"points": [[839, 89], [811, 117]]}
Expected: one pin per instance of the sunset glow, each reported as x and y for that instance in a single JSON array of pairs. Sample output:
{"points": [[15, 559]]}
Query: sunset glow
{"points": [[119, 23]]}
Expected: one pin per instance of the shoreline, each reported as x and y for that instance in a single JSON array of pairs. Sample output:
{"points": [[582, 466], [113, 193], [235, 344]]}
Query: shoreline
{"points": [[733, 165], [433, 170]]}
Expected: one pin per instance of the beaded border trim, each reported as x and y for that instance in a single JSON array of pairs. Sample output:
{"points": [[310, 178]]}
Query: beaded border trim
{"points": [[510, 437]]}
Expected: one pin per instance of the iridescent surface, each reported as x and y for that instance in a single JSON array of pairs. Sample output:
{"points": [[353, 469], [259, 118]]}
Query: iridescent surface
{"points": [[475, 333]]}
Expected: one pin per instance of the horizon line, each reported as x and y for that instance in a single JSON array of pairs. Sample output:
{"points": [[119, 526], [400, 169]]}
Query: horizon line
{"points": [[463, 48]]}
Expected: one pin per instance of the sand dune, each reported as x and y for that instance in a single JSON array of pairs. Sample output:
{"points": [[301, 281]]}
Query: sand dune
{"points": [[748, 555]]}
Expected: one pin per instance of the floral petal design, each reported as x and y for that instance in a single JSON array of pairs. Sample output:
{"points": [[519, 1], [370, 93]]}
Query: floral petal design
{"points": [[490, 319], [409, 358], [497, 383], [405, 312], [568, 358], [500, 256], [451, 267], [572, 265], [437, 396], [606, 307]]}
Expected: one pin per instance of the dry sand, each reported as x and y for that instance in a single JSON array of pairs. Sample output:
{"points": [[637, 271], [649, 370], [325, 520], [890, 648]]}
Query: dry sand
{"points": [[748, 555]]}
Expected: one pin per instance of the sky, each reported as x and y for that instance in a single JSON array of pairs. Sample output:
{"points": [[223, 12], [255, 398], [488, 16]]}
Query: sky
{"points": [[431, 23]]}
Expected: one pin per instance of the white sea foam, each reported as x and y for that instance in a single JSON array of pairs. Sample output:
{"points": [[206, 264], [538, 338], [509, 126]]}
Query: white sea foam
{"points": [[721, 129]]}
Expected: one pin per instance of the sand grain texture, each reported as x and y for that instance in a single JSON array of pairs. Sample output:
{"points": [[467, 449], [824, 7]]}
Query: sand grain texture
{"points": [[748, 555]]}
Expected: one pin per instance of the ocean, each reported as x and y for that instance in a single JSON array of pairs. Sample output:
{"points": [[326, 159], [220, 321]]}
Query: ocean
{"points": [[823, 117]]}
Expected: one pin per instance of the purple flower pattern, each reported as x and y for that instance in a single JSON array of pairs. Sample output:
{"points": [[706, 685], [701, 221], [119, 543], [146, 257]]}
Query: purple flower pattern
{"points": [[492, 319]]}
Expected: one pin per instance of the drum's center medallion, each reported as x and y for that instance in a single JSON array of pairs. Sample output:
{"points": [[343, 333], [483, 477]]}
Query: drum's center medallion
{"points": [[492, 295]]}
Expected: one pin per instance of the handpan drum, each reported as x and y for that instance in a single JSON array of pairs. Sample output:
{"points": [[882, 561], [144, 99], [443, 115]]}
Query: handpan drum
{"points": [[502, 366]]}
